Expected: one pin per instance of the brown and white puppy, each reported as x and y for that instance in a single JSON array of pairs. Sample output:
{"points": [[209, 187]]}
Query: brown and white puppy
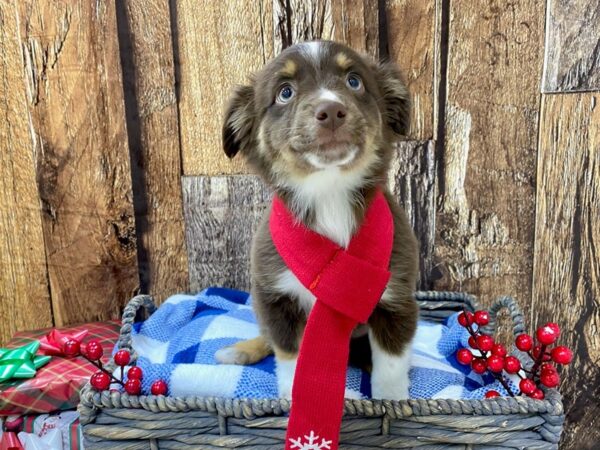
{"points": [[318, 124]]}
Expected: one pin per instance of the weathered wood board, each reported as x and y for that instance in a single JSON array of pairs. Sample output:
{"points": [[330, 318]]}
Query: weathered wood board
{"points": [[566, 277], [153, 128], [413, 182], [219, 45], [572, 46], [487, 168], [75, 99], [221, 215], [411, 39], [24, 293], [354, 22]]}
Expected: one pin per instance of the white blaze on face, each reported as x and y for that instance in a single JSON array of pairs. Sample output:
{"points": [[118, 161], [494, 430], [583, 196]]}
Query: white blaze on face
{"points": [[313, 49], [326, 94]]}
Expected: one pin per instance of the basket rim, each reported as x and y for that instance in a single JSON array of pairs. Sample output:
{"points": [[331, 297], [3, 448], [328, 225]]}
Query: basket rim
{"points": [[93, 402]]}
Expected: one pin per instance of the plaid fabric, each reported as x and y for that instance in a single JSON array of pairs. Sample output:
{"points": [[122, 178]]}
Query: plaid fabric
{"points": [[56, 386]]}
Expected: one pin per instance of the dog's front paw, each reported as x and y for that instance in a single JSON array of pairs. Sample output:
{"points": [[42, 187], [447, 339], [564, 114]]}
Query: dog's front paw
{"points": [[232, 355], [392, 390], [285, 377]]}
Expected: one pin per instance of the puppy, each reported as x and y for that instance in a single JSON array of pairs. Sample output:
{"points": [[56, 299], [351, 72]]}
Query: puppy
{"points": [[318, 124]]}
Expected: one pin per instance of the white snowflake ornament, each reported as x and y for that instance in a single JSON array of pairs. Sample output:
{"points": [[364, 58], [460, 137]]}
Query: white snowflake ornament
{"points": [[310, 443]]}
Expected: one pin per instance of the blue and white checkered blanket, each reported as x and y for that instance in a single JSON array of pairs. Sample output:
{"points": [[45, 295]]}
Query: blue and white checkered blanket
{"points": [[178, 343]]}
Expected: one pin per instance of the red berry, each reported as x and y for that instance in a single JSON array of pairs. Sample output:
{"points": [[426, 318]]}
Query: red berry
{"points": [[499, 349], [479, 365], [538, 394], [100, 381], [491, 394], [495, 363], [482, 318], [546, 335], [485, 342], [547, 367], [464, 356], [465, 318], [122, 358], [159, 387], [94, 350], [135, 372], [512, 364], [524, 342], [527, 386], [133, 386], [549, 378], [71, 348], [554, 327], [472, 342], [562, 355]]}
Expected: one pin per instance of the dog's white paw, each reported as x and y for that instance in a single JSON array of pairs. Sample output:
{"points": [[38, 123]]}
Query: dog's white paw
{"points": [[285, 377], [231, 355], [389, 378]]}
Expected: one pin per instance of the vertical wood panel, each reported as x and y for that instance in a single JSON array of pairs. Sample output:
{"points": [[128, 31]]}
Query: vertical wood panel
{"points": [[566, 282], [73, 78], [154, 144], [24, 295], [220, 44], [487, 171], [411, 36], [572, 46], [413, 183], [353, 22], [221, 215]]}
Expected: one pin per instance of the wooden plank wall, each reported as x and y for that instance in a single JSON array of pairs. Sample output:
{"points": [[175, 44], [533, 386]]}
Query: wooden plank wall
{"points": [[113, 180]]}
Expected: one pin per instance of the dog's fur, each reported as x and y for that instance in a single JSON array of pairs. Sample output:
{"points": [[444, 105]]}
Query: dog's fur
{"points": [[326, 175]]}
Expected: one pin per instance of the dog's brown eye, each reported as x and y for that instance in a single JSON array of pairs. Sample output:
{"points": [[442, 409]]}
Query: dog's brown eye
{"points": [[354, 82], [285, 94]]}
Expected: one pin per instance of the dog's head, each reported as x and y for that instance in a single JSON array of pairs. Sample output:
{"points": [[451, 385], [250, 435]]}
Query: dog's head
{"points": [[317, 106]]}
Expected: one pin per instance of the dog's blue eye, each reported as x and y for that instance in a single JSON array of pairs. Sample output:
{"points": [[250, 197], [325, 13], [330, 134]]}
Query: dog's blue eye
{"points": [[354, 82], [286, 93]]}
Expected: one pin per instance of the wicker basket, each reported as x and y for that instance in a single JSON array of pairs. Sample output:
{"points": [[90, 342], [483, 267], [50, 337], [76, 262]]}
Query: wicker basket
{"points": [[112, 420]]}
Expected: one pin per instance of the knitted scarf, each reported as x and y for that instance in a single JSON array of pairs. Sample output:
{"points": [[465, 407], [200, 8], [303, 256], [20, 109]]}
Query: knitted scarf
{"points": [[347, 283]]}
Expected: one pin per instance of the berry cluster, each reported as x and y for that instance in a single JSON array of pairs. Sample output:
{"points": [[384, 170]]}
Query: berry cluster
{"points": [[487, 355], [102, 379]]}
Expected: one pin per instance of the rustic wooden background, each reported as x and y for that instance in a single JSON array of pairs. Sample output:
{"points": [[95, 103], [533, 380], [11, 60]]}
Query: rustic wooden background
{"points": [[110, 154]]}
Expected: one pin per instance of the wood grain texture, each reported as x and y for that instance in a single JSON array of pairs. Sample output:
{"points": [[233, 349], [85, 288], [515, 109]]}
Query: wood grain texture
{"points": [[73, 80], [572, 46], [412, 181], [353, 22], [24, 290], [411, 37], [219, 45], [221, 216], [566, 277], [153, 127], [487, 170]]}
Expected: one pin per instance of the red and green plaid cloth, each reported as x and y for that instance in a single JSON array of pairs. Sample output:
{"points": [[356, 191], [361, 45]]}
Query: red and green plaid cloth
{"points": [[56, 385]]}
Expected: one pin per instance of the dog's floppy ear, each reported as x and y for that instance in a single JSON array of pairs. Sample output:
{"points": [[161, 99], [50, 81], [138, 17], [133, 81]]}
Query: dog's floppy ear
{"points": [[395, 97], [239, 121]]}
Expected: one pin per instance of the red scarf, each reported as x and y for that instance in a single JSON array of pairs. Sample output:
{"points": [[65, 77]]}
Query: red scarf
{"points": [[348, 284]]}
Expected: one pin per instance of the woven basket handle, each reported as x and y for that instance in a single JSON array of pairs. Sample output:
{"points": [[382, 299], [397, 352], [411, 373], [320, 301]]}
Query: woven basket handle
{"points": [[515, 315], [128, 318]]}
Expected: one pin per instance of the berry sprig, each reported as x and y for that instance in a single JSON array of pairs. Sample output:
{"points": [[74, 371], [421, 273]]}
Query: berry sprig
{"points": [[493, 357], [102, 379]]}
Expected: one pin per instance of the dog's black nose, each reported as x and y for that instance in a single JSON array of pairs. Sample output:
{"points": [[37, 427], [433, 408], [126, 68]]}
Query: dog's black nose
{"points": [[331, 114]]}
